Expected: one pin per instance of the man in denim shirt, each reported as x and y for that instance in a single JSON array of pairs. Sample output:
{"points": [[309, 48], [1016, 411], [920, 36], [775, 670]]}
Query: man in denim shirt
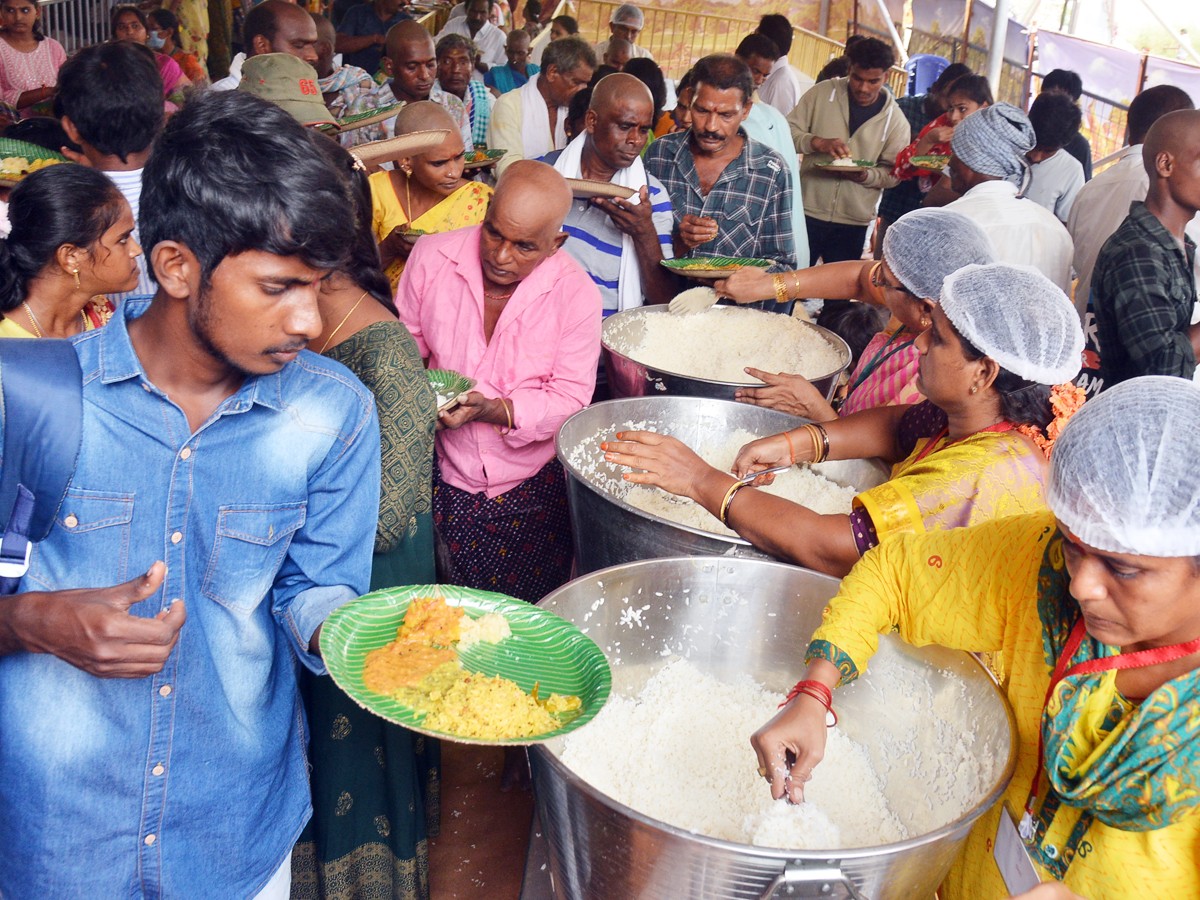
{"points": [[151, 735]]}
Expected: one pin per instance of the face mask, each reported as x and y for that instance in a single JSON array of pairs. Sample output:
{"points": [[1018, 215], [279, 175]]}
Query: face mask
{"points": [[154, 42]]}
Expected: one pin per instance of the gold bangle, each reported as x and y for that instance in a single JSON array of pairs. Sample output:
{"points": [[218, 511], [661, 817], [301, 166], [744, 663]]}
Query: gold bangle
{"points": [[823, 454], [780, 291], [796, 289], [729, 495], [816, 443], [791, 450], [508, 417]]}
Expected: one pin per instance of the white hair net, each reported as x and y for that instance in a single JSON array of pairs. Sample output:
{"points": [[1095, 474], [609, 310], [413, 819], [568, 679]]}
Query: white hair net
{"points": [[1018, 317], [627, 14], [924, 246], [1123, 477]]}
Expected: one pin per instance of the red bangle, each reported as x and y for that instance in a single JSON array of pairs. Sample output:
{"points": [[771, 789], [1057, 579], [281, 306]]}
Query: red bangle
{"points": [[818, 692], [791, 450]]}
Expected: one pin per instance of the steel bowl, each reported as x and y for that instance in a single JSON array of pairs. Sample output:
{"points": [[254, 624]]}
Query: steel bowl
{"points": [[734, 616], [607, 530], [629, 378]]}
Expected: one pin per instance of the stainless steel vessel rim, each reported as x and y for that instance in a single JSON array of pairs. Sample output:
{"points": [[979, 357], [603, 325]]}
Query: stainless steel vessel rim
{"points": [[838, 344], [963, 822]]}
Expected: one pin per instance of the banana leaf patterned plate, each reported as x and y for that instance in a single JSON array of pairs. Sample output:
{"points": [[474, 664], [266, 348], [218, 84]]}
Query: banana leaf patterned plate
{"points": [[543, 649], [478, 159], [448, 385], [935, 163], [711, 267]]}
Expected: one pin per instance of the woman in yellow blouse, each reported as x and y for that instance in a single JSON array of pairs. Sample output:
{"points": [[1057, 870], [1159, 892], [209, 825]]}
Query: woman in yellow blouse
{"points": [[70, 243], [1001, 336], [1106, 794], [425, 192]]}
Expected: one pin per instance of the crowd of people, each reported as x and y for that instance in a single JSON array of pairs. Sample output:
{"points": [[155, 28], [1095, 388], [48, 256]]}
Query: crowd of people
{"points": [[256, 266]]}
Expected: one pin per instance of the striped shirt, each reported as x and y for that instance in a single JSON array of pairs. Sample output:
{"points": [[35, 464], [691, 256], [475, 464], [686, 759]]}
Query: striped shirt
{"points": [[595, 242]]}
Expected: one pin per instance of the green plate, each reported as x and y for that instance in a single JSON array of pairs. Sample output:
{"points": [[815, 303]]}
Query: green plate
{"points": [[931, 163], [709, 267], [477, 159], [363, 119], [448, 385], [10, 147], [543, 648], [860, 165]]}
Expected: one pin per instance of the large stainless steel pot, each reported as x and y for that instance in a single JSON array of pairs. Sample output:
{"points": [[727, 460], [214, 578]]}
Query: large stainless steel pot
{"points": [[755, 617], [629, 378], [607, 530]]}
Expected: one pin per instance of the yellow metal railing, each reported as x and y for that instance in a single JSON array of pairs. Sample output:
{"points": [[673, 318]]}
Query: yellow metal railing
{"points": [[811, 51]]}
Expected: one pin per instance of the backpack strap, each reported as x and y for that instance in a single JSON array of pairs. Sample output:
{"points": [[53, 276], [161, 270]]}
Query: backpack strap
{"points": [[41, 405]]}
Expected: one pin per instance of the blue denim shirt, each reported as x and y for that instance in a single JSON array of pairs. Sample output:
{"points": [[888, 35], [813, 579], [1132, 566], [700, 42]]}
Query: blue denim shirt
{"points": [[192, 782]]}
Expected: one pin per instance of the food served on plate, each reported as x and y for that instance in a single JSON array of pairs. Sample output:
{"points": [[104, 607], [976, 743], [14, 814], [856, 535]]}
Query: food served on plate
{"points": [[421, 668], [14, 168], [844, 162]]}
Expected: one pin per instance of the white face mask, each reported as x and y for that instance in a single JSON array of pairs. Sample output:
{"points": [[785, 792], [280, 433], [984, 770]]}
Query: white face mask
{"points": [[154, 42]]}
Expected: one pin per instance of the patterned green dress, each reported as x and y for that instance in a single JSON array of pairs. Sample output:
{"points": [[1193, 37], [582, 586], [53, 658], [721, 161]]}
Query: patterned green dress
{"points": [[375, 785]]}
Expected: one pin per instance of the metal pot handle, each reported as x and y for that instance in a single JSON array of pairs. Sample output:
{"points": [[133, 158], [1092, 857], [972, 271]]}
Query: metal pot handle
{"points": [[795, 876]]}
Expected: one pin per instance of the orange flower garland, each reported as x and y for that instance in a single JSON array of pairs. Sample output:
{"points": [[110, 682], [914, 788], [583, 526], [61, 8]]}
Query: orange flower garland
{"points": [[1065, 401]]}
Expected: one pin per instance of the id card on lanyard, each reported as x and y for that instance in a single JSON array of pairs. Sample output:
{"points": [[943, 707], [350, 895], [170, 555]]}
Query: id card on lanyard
{"points": [[1012, 857]]}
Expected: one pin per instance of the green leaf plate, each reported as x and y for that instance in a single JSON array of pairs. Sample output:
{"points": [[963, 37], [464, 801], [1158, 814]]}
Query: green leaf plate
{"points": [[477, 159], [860, 165], [933, 163], [11, 148], [448, 385], [543, 648], [710, 267]]}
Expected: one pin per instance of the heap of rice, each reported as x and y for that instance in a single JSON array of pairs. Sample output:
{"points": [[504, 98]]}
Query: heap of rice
{"points": [[718, 345], [799, 484], [679, 751]]}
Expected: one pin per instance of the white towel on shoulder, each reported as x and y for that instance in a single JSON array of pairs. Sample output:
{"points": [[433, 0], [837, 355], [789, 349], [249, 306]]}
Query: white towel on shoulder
{"points": [[536, 140]]}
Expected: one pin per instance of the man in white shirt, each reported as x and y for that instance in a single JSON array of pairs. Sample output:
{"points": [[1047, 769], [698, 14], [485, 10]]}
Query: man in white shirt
{"points": [[489, 40], [1103, 203], [530, 121], [627, 21], [275, 26], [785, 84], [987, 168]]}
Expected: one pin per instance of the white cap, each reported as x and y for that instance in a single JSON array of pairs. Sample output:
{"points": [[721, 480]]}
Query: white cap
{"points": [[1018, 317], [924, 246], [1123, 476]]}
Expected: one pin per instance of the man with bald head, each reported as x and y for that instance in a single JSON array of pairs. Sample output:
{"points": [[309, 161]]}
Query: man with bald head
{"points": [[411, 63], [1143, 289], [501, 304], [618, 52], [619, 242], [275, 26]]}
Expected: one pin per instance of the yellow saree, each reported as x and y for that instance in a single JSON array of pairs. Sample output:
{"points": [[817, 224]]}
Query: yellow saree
{"points": [[465, 207]]}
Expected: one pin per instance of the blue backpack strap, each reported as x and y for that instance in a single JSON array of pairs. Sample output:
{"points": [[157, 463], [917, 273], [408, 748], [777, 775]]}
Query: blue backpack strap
{"points": [[41, 402]]}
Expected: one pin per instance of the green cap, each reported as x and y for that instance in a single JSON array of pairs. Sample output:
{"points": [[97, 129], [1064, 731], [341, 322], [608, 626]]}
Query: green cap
{"points": [[288, 82]]}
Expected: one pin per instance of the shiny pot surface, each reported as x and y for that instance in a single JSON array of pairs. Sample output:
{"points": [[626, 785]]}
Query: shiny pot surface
{"points": [[734, 615]]}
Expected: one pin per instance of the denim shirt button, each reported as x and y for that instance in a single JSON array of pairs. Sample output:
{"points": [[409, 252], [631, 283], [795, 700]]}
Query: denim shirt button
{"points": [[71, 521], [158, 770], [177, 537], [185, 453], [150, 839], [164, 691]]}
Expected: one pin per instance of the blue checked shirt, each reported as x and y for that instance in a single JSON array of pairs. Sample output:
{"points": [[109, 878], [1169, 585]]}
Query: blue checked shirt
{"points": [[192, 782], [751, 199]]}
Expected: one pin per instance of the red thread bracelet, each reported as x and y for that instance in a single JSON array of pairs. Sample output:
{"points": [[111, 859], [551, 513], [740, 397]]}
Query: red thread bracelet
{"points": [[791, 450], [819, 692]]}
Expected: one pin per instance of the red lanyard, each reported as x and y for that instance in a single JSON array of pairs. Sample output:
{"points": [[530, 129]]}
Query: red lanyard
{"points": [[1136, 660], [928, 448]]}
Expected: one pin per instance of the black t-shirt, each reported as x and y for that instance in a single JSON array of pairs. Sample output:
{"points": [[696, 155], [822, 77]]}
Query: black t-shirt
{"points": [[859, 115]]}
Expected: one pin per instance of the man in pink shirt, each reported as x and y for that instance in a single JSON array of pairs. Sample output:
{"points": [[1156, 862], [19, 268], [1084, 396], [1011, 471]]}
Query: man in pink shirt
{"points": [[500, 304]]}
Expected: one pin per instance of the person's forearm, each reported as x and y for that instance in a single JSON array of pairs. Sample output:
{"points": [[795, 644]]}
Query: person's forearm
{"points": [[37, 95], [789, 531], [866, 434], [11, 610], [1194, 339], [832, 281]]}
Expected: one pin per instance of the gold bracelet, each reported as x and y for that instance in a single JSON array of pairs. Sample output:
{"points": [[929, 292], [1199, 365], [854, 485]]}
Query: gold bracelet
{"points": [[796, 289], [816, 442], [780, 291], [824, 452], [729, 494], [508, 417]]}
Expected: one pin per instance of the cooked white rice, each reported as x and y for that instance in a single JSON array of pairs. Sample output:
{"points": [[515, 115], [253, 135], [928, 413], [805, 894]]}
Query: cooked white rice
{"points": [[719, 344], [679, 751]]}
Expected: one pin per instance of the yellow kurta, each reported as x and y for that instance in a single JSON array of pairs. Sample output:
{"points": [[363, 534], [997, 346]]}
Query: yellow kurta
{"points": [[981, 477], [977, 589], [465, 207]]}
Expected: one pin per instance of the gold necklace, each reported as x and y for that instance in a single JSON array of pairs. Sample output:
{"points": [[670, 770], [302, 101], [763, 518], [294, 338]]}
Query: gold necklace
{"points": [[333, 333], [37, 327]]}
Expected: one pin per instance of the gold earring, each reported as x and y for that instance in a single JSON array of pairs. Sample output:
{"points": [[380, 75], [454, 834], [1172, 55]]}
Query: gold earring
{"points": [[974, 388], [76, 274]]}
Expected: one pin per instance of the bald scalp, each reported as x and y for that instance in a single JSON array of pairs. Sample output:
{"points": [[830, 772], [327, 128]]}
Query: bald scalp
{"points": [[424, 115], [1171, 134], [325, 29], [534, 195], [404, 37], [618, 88]]}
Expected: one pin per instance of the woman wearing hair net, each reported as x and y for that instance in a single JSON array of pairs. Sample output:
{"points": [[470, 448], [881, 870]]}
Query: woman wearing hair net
{"points": [[1095, 609], [919, 250], [999, 338]]}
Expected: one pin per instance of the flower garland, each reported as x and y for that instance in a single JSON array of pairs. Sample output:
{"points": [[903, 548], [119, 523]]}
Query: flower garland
{"points": [[1065, 401]]}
